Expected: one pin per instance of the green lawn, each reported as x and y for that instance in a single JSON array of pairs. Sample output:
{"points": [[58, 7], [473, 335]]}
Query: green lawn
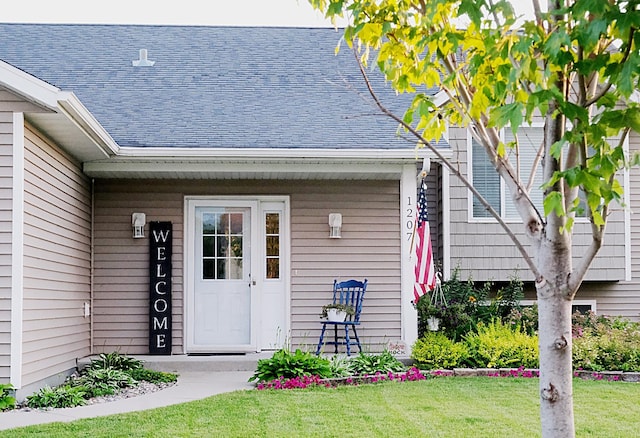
{"points": [[443, 407]]}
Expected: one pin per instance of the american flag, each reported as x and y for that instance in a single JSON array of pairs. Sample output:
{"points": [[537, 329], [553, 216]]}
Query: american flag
{"points": [[424, 269]]}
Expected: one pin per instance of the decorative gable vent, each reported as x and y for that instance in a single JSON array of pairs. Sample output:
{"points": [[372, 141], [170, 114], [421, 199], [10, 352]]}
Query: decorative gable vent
{"points": [[143, 61]]}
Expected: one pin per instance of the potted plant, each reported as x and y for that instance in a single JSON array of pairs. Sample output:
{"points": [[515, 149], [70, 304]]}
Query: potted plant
{"points": [[336, 312]]}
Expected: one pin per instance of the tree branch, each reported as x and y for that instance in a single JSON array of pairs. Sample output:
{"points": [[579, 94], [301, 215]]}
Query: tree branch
{"points": [[528, 260]]}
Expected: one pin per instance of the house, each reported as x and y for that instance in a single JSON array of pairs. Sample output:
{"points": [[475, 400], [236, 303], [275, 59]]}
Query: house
{"points": [[167, 190]]}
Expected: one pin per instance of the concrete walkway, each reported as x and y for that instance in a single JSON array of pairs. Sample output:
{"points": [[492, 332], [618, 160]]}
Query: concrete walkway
{"points": [[193, 385]]}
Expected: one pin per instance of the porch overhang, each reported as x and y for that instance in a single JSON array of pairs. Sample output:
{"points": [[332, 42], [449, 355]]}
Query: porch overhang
{"points": [[256, 163]]}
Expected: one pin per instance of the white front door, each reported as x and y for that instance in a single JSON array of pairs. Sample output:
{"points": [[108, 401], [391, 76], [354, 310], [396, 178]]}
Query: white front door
{"points": [[231, 269]]}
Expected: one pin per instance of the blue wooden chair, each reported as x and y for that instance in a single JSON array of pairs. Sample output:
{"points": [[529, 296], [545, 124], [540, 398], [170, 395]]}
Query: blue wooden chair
{"points": [[351, 293]]}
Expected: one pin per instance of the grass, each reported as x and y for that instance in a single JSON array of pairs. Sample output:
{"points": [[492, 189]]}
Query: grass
{"points": [[443, 407]]}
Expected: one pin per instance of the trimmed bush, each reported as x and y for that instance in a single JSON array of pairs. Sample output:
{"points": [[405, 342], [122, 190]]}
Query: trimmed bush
{"points": [[436, 351], [497, 345]]}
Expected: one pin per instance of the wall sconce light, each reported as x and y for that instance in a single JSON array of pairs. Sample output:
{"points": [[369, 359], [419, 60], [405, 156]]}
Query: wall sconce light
{"points": [[138, 221], [335, 225]]}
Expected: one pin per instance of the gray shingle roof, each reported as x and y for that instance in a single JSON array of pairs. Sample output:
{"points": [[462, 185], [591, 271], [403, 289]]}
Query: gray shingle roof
{"points": [[210, 86]]}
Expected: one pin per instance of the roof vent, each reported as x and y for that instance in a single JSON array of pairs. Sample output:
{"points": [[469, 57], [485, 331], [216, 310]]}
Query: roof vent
{"points": [[143, 61]]}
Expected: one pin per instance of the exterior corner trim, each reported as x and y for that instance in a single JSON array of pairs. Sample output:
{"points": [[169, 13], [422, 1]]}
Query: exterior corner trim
{"points": [[17, 250]]}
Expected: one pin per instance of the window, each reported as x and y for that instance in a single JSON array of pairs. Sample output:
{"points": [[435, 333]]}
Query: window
{"points": [[222, 237], [487, 181], [272, 236]]}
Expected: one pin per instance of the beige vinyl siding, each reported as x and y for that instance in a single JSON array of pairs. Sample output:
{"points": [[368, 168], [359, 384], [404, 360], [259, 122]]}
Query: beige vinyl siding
{"points": [[483, 251], [369, 248], [6, 199], [57, 248]]}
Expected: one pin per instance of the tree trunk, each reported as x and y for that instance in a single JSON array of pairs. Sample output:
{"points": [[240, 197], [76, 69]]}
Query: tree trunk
{"points": [[554, 337]]}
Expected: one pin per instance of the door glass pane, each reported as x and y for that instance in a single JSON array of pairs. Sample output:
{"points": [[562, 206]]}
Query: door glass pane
{"points": [[272, 236], [208, 269], [273, 268], [208, 246]]}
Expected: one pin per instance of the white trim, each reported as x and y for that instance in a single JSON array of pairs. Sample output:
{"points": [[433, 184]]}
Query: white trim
{"points": [[591, 303], [446, 222], [79, 115], [627, 216], [408, 193], [17, 261], [360, 154], [31, 88]]}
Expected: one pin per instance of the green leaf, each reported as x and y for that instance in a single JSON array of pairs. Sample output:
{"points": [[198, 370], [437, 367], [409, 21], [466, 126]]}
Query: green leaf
{"points": [[510, 113], [553, 203]]}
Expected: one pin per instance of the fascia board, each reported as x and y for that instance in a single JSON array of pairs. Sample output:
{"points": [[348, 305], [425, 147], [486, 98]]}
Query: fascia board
{"points": [[248, 154], [28, 86], [77, 113]]}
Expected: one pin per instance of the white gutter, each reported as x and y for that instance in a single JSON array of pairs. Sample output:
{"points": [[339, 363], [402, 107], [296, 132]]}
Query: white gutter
{"points": [[76, 112], [179, 153]]}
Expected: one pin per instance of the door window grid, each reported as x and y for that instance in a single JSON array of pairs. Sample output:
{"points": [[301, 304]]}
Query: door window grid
{"points": [[222, 242], [272, 245]]}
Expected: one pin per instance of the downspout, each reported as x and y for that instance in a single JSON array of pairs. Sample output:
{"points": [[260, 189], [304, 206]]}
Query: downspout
{"points": [[91, 265]]}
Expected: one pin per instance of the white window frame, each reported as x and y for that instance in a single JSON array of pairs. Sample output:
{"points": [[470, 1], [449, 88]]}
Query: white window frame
{"points": [[503, 189]]}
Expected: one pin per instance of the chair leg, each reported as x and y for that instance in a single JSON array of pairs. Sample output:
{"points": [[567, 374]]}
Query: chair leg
{"points": [[335, 338], [355, 333], [324, 326], [347, 340]]}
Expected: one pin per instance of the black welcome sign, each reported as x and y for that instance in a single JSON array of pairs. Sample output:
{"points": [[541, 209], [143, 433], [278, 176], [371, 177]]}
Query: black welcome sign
{"points": [[160, 249]]}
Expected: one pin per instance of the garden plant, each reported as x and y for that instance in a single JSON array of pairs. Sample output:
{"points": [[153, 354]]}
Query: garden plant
{"points": [[106, 375]]}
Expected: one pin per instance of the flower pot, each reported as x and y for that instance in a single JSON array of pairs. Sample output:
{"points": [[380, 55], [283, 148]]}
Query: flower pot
{"points": [[433, 323], [336, 315]]}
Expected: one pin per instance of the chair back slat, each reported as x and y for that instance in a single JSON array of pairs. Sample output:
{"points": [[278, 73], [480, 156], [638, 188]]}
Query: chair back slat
{"points": [[351, 293]]}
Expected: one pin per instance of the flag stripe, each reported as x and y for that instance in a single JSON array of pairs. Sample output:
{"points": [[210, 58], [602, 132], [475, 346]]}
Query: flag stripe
{"points": [[425, 272]]}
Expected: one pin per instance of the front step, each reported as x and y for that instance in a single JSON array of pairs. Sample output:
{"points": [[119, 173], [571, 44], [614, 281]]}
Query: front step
{"points": [[184, 363]]}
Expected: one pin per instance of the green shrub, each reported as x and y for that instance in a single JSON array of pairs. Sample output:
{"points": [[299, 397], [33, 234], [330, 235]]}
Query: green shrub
{"points": [[497, 345], [104, 381], [152, 376], [435, 351], [525, 317], [385, 362], [66, 396], [468, 304], [286, 364], [116, 361], [612, 348], [7, 401]]}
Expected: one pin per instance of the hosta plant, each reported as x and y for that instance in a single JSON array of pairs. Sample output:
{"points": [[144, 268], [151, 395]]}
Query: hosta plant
{"points": [[286, 364], [7, 401]]}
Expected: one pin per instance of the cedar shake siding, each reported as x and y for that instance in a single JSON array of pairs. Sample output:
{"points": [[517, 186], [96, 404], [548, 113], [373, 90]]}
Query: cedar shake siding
{"points": [[6, 172], [483, 251], [57, 248], [369, 248]]}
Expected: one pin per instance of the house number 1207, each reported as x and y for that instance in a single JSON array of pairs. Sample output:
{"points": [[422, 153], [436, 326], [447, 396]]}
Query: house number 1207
{"points": [[410, 218]]}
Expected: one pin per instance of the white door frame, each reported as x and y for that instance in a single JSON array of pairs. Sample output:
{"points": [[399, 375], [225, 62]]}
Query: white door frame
{"points": [[257, 265]]}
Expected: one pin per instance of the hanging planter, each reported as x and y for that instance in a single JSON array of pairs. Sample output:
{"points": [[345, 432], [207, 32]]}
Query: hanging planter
{"points": [[433, 323]]}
